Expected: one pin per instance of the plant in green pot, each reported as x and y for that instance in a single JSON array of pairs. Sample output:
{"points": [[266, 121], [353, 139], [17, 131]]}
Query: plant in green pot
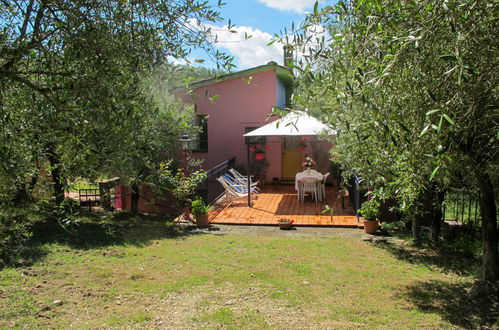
{"points": [[200, 211], [370, 212]]}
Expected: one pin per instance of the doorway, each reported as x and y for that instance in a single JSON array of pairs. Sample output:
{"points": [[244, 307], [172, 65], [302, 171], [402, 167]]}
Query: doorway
{"points": [[291, 157]]}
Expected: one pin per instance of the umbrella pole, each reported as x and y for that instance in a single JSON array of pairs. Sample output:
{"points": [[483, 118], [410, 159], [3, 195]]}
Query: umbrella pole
{"points": [[248, 175]]}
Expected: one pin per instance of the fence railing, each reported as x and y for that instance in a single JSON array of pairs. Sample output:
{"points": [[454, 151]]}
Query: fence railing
{"points": [[89, 197], [461, 205], [210, 190]]}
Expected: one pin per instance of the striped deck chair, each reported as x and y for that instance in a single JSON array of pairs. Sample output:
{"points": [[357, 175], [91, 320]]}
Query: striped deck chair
{"points": [[243, 179], [235, 190]]}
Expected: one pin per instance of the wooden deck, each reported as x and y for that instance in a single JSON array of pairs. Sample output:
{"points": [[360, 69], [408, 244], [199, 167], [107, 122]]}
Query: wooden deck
{"points": [[278, 202]]}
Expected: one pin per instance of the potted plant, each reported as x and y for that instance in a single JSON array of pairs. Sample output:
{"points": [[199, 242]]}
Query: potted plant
{"points": [[200, 211], [285, 224], [308, 162], [370, 212], [259, 151]]}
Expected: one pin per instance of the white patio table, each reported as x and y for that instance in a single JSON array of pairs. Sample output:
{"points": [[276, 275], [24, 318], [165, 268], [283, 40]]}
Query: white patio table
{"points": [[308, 174]]}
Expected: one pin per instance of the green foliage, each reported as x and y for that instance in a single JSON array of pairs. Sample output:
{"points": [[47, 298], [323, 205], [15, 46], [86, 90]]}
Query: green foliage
{"points": [[396, 228], [176, 182], [411, 89], [370, 209], [405, 114], [14, 235], [75, 96], [198, 207]]}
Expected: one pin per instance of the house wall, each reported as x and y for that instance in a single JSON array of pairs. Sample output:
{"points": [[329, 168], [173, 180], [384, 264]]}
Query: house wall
{"points": [[241, 103]]}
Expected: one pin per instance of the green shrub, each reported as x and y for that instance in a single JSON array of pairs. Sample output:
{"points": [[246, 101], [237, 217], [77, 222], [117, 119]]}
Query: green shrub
{"points": [[14, 236], [370, 209], [198, 207], [394, 228]]}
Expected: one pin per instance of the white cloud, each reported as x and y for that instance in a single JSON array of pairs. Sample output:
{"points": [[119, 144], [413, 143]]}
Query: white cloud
{"points": [[248, 52], [297, 6]]}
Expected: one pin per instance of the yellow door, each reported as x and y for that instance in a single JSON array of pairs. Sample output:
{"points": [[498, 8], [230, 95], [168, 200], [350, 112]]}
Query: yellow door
{"points": [[291, 157]]}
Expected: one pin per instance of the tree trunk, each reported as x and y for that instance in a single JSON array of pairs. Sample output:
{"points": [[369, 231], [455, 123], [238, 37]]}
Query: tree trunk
{"points": [[57, 180], [416, 229], [134, 207], [21, 196], [436, 214], [490, 266], [428, 211]]}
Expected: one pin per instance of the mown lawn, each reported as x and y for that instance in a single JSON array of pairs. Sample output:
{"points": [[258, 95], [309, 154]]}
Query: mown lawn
{"points": [[142, 273]]}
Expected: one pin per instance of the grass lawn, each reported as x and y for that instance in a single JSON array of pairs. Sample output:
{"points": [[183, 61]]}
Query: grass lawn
{"points": [[137, 272]]}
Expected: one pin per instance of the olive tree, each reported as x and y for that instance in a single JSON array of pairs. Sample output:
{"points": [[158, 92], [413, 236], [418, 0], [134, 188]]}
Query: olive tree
{"points": [[72, 74], [411, 87]]}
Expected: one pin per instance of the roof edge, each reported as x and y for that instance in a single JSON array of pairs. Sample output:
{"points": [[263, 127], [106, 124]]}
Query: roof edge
{"points": [[282, 72]]}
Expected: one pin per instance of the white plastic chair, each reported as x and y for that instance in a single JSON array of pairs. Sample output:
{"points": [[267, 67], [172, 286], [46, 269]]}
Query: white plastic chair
{"points": [[323, 186], [308, 185]]}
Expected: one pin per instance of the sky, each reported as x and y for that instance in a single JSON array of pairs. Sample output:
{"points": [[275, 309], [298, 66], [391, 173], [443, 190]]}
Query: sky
{"points": [[261, 19]]}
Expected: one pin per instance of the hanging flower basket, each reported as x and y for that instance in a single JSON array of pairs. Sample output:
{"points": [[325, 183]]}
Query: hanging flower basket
{"points": [[259, 151], [303, 145]]}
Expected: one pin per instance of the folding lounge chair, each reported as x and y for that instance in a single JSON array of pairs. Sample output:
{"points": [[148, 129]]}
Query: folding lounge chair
{"points": [[235, 191], [243, 179]]}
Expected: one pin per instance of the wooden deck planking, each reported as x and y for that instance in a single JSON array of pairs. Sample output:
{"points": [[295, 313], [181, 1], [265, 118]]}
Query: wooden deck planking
{"points": [[279, 202]]}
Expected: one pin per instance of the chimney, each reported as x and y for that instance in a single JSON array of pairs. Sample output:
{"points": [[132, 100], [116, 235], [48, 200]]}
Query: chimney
{"points": [[288, 55]]}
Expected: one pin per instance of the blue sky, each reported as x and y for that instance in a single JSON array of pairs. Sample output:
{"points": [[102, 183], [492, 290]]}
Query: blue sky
{"points": [[260, 19]]}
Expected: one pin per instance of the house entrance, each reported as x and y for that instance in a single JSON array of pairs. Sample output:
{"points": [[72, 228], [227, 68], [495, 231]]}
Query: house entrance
{"points": [[291, 157]]}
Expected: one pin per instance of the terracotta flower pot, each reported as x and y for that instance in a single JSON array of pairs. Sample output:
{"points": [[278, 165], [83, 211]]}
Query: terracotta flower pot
{"points": [[285, 226], [370, 227], [259, 156], [202, 221]]}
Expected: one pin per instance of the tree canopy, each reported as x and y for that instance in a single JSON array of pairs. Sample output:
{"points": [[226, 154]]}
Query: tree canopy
{"points": [[412, 89], [73, 85]]}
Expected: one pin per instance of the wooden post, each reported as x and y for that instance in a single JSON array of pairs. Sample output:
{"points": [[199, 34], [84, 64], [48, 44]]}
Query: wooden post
{"points": [[248, 175]]}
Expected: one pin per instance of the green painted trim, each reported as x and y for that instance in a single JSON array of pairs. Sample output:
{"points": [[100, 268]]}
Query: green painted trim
{"points": [[284, 73]]}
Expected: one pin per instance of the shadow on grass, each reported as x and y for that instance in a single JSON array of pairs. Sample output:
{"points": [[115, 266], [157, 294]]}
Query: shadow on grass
{"points": [[444, 258], [101, 230], [467, 305]]}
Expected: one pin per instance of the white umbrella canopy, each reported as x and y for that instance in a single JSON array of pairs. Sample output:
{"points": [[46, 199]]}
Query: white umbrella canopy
{"points": [[296, 123]]}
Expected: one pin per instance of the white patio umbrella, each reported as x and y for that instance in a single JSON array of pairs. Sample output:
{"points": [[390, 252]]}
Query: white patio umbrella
{"points": [[296, 123]]}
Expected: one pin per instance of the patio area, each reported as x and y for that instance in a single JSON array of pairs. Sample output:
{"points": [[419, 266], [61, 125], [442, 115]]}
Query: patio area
{"points": [[281, 201]]}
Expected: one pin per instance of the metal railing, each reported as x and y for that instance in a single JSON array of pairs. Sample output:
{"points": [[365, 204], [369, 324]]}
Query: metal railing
{"points": [[461, 205], [210, 190], [90, 197]]}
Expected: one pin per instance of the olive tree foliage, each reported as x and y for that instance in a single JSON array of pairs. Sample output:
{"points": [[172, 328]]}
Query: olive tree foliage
{"points": [[73, 100], [412, 89]]}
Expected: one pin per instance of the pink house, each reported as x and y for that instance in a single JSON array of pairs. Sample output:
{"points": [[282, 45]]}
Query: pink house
{"points": [[234, 104]]}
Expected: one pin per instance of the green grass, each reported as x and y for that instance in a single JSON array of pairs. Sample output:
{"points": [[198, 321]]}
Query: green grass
{"points": [[138, 272]]}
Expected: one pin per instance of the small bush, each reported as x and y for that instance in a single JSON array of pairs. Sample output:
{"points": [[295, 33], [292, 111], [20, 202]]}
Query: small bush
{"points": [[14, 236], [396, 228]]}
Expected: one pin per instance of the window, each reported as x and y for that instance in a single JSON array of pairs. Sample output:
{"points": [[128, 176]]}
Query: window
{"points": [[200, 141], [254, 139]]}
